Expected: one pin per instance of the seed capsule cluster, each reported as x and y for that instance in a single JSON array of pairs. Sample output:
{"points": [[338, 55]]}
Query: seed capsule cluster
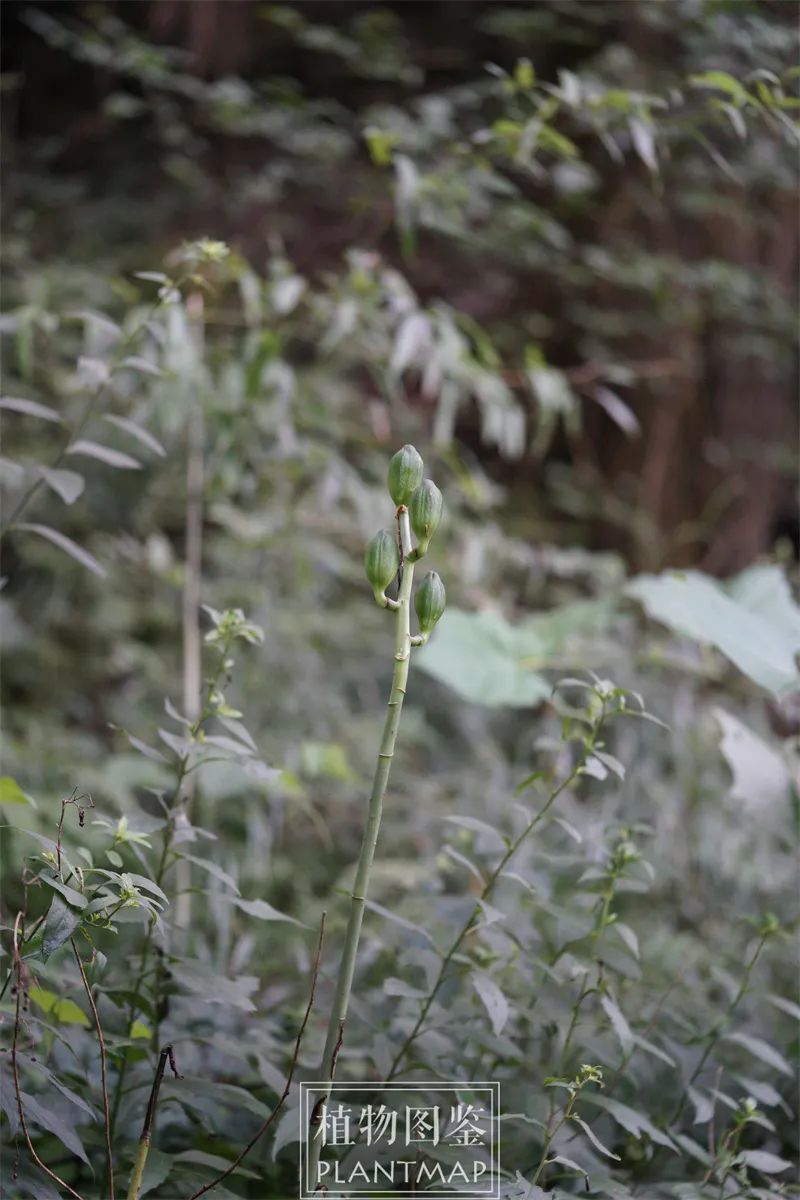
{"points": [[419, 504]]}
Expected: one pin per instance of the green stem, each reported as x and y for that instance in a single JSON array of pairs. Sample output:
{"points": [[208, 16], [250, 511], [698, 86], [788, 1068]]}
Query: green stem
{"points": [[715, 1033], [143, 1149], [183, 767], [599, 927], [488, 888], [338, 1015], [550, 1135]]}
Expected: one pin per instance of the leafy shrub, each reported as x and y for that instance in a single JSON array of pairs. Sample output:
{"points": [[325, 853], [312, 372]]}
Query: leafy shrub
{"points": [[586, 892]]}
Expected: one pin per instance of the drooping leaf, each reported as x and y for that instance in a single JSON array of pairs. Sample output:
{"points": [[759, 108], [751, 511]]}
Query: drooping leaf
{"points": [[66, 1011], [36, 1109], [628, 936], [618, 1022], [481, 827], [635, 1122], [761, 1050], [493, 999], [210, 986], [67, 545], [31, 408], [211, 867], [60, 924], [137, 431], [70, 894], [104, 454], [265, 912], [594, 1139], [398, 987]]}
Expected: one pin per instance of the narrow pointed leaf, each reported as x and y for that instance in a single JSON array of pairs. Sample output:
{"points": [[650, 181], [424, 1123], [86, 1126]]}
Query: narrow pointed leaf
{"points": [[67, 545]]}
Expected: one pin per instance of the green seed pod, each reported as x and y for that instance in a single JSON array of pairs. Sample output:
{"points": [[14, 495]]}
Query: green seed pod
{"points": [[430, 601], [381, 561], [425, 512], [405, 474]]}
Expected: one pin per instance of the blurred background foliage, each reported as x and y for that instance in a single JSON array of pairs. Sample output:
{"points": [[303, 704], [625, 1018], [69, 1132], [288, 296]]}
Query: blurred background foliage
{"points": [[555, 246]]}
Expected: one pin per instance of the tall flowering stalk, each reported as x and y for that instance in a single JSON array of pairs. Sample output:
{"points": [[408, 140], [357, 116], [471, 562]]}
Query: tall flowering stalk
{"points": [[389, 556]]}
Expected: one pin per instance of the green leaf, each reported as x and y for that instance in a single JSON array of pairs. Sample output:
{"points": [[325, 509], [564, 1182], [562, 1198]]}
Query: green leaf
{"points": [[60, 924], [67, 545], [75, 898], [11, 792], [67, 1012], [205, 1095], [475, 825], [205, 865], [137, 431], [488, 661], [635, 1122], [752, 620], [618, 1023], [723, 82], [478, 655], [37, 1111], [210, 986], [156, 1170], [66, 484], [761, 1160], [594, 1139], [493, 999], [265, 912], [104, 454], [31, 408], [761, 1050]]}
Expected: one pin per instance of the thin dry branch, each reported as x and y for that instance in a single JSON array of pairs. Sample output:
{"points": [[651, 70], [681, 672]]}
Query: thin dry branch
{"points": [[19, 970], [103, 1069], [290, 1076]]}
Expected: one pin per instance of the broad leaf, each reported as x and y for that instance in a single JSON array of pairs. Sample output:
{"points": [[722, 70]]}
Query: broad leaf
{"points": [[752, 620], [488, 661], [11, 792], [36, 1110], [60, 924]]}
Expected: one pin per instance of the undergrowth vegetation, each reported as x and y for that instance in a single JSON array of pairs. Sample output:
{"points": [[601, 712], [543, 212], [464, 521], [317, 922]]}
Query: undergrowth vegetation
{"points": [[580, 879]]}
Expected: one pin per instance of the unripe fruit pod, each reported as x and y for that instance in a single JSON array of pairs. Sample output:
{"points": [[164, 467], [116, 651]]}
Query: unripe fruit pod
{"points": [[405, 474], [425, 512], [430, 601], [381, 560]]}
